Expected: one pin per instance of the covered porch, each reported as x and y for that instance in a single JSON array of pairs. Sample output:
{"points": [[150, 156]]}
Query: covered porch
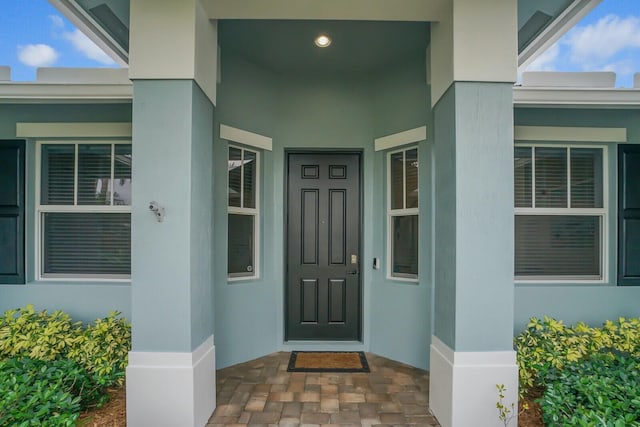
{"points": [[420, 95], [261, 391]]}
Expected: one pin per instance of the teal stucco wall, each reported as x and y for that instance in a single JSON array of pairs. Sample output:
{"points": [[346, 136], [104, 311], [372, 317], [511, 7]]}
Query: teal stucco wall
{"points": [[84, 301], [171, 260], [474, 217], [574, 302]]}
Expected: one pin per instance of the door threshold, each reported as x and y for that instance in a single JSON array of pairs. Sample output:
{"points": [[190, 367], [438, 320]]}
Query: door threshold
{"points": [[323, 346]]}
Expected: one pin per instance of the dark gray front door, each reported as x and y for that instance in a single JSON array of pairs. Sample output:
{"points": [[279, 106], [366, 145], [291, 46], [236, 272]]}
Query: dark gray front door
{"points": [[323, 241]]}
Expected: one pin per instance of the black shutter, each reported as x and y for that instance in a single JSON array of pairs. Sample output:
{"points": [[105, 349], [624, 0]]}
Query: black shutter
{"points": [[12, 211], [628, 215]]}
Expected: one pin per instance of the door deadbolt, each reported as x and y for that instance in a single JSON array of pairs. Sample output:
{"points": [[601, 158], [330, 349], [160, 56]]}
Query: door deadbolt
{"points": [[354, 259]]}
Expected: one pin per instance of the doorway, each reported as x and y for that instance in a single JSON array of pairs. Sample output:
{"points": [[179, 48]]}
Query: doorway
{"points": [[323, 227]]}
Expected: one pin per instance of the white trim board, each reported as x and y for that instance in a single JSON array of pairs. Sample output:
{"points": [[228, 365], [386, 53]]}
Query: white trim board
{"points": [[401, 138], [171, 388], [17, 92], [575, 96], [354, 10], [569, 134], [74, 130], [245, 137], [462, 390]]}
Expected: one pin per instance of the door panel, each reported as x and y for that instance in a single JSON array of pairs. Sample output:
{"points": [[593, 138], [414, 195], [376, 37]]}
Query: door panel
{"points": [[12, 212], [323, 241], [628, 215]]}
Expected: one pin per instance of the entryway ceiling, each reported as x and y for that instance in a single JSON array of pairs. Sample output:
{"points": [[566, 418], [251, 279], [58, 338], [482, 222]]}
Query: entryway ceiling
{"points": [[357, 46]]}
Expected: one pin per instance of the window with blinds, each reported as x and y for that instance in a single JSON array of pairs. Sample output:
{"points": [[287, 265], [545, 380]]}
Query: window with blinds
{"points": [[402, 213], [84, 210], [560, 210], [242, 208]]}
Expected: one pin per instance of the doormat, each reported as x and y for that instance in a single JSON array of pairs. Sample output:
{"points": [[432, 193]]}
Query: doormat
{"points": [[328, 361]]}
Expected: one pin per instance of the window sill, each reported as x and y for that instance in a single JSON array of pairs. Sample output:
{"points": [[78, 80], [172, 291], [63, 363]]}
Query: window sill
{"points": [[406, 280], [561, 283], [78, 282], [239, 280]]}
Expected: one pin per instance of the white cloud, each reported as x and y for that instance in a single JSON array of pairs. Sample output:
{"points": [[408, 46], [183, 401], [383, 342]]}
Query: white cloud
{"points": [[88, 48], [622, 67], [594, 45], [37, 55], [546, 61], [56, 22]]}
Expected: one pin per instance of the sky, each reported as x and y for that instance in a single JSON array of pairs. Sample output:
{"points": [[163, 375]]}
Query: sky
{"points": [[607, 39], [34, 34]]}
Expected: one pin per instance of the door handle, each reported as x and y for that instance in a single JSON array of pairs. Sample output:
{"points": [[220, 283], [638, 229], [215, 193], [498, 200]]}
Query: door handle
{"points": [[352, 272]]}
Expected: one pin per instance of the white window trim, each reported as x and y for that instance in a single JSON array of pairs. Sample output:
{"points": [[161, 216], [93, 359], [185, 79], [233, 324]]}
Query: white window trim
{"points": [[603, 213], [398, 212], [569, 134], [255, 212], [401, 138], [244, 137], [74, 130], [40, 209]]}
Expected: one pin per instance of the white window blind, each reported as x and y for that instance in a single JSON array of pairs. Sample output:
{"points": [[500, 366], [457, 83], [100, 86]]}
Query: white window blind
{"points": [[84, 210], [560, 212]]}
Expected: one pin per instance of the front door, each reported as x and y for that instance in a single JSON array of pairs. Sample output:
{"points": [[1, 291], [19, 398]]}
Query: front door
{"points": [[323, 242]]}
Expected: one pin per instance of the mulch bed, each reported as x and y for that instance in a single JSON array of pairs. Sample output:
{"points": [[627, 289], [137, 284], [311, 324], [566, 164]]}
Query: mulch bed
{"points": [[531, 417], [112, 414]]}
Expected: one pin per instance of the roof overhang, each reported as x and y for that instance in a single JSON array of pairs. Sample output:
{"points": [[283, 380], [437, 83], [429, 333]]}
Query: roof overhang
{"points": [[558, 27], [575, 97], [95, 31]]}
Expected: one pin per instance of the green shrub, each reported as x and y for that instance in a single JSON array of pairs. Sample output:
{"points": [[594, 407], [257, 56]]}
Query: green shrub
{"points": [[549, 344], [36, 392], [101, 347], [37, 335], [602, 389], [51, 367]]}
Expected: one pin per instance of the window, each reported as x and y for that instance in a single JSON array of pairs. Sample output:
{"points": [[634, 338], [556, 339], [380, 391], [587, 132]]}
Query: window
{"points": [[84, 210], [242, 213], [402, 214], [560, 208]]}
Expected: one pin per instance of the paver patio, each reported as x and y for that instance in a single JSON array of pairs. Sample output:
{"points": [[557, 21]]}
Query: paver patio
{"points": [[262, 393]]}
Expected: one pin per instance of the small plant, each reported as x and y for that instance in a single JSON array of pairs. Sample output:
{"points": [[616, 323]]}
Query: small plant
{"points": [[505, 412]]}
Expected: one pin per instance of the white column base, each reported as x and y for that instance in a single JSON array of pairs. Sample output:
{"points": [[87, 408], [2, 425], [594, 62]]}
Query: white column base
{"points": [[462, 389], [171, 389]]}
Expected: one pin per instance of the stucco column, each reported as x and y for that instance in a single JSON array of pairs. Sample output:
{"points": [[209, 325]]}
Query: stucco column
{"points": [[473, 61], [171, 372]]}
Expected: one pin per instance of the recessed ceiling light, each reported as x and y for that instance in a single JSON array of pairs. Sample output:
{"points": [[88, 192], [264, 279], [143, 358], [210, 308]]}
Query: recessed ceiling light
{"points": [[322, 40]]}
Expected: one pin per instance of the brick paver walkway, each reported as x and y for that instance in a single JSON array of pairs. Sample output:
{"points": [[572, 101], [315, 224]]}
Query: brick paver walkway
{"points": [[262, 393]]}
